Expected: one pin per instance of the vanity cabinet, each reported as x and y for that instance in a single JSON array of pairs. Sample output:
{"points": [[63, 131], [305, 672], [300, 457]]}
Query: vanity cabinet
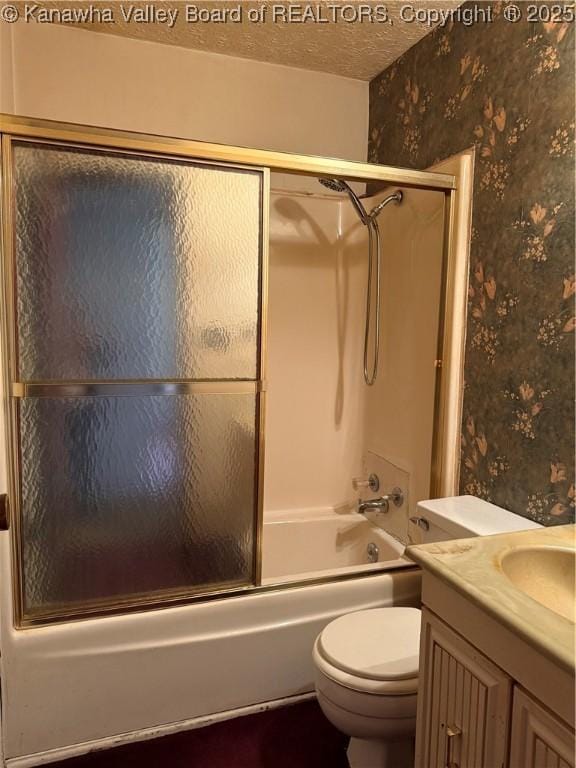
{"points": [[497, 671], [471, 714], [463, 703], [538, 739]]}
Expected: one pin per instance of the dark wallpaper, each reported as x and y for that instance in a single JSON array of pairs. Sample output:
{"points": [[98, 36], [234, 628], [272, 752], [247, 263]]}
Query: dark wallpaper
{"points": [[508, 90]]}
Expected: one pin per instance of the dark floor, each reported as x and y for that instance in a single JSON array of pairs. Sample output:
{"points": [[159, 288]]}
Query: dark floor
{"points": [[298, 736]]}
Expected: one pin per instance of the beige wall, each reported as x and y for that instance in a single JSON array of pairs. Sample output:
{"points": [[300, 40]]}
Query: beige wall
{"points": [[6, 73], [79, 76]]}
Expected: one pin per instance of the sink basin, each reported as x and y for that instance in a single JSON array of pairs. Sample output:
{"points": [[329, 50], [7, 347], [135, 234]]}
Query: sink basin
{"points": [[546, 574]]}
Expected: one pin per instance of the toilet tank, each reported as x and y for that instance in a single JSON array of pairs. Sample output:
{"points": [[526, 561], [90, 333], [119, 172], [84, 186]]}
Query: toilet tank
{"points": [[460, 517]]}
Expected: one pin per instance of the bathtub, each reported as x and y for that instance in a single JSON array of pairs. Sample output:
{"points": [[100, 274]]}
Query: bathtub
{"points": [[71, 688], [317, 543]]}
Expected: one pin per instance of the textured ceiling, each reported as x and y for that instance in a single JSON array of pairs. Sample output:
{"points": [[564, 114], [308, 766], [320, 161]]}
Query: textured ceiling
{"points": [[359, 50]]}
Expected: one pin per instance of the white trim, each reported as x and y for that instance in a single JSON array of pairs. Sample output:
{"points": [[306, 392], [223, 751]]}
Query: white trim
{"points": [[168, 729]]}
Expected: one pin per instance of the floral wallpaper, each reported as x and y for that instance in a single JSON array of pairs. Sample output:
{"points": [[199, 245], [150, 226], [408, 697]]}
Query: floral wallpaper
{"points": [[508, 90]]}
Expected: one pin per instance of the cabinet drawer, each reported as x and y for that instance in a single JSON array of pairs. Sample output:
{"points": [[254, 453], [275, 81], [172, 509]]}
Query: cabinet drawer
{"points": [[463, 703]]}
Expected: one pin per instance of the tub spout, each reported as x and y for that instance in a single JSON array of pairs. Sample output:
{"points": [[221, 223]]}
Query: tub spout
{"points": [[379, 505], [382, 504]]}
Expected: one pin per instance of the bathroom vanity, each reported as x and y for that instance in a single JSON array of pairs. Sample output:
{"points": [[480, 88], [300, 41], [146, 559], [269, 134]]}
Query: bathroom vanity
{"points": [[497, 651]]}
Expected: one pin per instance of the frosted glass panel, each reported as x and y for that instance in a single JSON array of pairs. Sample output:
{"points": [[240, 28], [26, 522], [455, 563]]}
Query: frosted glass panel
{"points": [[130, 267], [129, 495]]}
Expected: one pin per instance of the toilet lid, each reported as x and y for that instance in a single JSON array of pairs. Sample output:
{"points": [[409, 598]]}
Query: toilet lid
{"points": [[381, 643]]}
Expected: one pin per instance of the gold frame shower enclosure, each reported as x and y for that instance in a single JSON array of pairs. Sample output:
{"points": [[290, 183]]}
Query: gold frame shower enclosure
{"points": [[73, 136]]}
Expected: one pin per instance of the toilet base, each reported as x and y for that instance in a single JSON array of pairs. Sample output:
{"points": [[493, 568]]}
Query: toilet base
{"points": [[372, 753]]}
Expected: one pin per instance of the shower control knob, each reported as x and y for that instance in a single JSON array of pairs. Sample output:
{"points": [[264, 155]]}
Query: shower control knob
{"points": [[372, 482]]}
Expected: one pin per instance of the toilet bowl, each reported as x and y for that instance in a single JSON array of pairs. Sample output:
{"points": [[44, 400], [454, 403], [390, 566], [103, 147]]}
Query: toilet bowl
{"points": [[366, 663], [366, 676]]}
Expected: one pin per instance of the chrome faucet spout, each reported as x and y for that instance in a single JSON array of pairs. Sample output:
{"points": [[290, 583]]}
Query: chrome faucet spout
{"points": [[379, 505], [382, 504]]}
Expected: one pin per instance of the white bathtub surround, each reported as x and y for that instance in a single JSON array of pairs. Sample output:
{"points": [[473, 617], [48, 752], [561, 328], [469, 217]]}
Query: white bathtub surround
{"points": [[315, 390], [312, 544], [395, 520], [318, 264], [399, 408]]}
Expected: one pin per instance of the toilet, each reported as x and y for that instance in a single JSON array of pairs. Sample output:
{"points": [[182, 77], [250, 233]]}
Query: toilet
{"points": [[366, 662]]}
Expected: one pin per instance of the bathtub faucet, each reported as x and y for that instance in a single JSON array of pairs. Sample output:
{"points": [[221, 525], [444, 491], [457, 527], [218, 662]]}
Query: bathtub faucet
{"points": [[383, 502]]}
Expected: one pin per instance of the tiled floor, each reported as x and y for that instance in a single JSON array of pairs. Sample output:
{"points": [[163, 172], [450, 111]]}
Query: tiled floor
{"points": [[298, 736]]}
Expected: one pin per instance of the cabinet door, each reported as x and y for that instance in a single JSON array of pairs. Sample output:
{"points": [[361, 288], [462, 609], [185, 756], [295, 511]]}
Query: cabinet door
{"points": [[463, 703], [539, 739]]}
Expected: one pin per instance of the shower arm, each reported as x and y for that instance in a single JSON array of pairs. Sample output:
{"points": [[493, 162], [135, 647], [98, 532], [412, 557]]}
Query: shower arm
{"points": [[395, 196]]}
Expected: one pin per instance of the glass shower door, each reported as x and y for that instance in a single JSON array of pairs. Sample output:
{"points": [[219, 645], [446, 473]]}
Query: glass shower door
{"points": [[136, 348]]}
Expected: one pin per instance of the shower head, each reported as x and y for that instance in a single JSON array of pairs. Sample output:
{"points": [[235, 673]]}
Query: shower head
{"points": [[337, 185], [334, 184]]}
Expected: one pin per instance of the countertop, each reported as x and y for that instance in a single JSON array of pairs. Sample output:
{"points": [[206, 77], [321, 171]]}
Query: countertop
{"points": [[472, 566]]}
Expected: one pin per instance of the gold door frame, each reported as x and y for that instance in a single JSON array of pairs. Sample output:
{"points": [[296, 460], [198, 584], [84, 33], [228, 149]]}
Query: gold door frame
{"points": [[22, 128]]}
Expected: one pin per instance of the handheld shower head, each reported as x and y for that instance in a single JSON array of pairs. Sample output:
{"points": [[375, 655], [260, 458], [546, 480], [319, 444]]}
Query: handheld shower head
{"points": [[334, 184], [337, 185]]}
